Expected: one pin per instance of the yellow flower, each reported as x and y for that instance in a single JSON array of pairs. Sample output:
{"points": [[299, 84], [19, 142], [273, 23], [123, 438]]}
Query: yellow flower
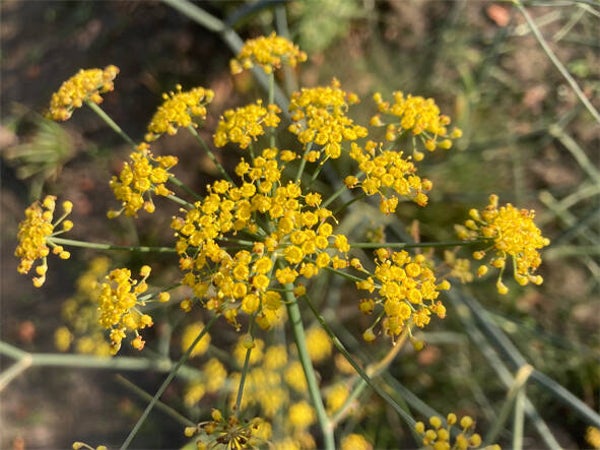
{"points": [[285, 225], [118, 301], [35, 236], [319, 117], [189, 335], [243, 125], [301, 415], [230, 432], [441, 435], [418, 116], [318, 344], [179, 109], [268, 52], [145, 174], [336, 397], [86, 85], [215, 373], [592, 437], [355, 441], [388, 174], [407, 291], [514, 236]]}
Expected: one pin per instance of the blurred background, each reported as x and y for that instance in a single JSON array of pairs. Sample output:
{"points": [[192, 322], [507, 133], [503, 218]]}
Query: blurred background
{"points": [[527, 137]]}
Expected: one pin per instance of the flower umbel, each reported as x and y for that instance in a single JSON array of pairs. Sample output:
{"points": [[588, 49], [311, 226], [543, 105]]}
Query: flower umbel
{"points": [[440, 435], [179, 109], [407, 291], [35, 236], [417, 115], [268, 52], [243, 125], [118, 304], [513, 234], [231, 433], [145, 174], [86, 85], [389, 174], [320, 122]]}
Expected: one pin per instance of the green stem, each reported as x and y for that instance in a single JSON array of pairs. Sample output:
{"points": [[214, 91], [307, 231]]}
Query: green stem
{"points": [[111, 123], [166, 383], [515, 390], [309, 371], [303, 161], [244, 374], [98, 246], [178, 200], [25, 360], [408, 419], [161, 406], [177, 182], [373, 371], [335, 195], [416, 244], [210, 154]]}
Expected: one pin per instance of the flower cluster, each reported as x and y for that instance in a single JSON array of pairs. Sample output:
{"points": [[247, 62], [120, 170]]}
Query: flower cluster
{"points": [[440, 437], [190, 333], [229, 432], [268, 52], [248, 245], [387, 173], [35, 236], [275, 385], [407, 291], [119, 301], [513, 234], [319, 120], [179, 109], [592, 436], [145, 174], [243, 125], [291, 235], [86, 85], [417, 115], [355, 441]]}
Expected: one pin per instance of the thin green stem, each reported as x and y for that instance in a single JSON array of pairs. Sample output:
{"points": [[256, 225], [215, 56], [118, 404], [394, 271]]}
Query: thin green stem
{"points": [[111, 123], [178, 200], [98, 246], [373, 371], [210, 153], [166, 383], [303, 162], [509, 403], [26, 360], [309, 372], [160, 405], [335, 195], [244, 374], [416, 244], [557, 63], [517, 443], [180, 184], [408, 419]]}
